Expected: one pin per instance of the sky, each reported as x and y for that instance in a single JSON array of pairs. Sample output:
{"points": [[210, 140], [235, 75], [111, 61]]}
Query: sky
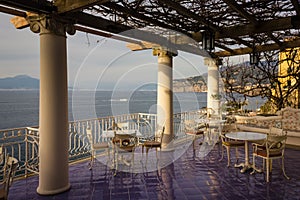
{"points": [[93, 61]]}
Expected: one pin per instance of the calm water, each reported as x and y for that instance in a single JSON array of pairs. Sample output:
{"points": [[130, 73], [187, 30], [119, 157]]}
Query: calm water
{"points": [[21, 108]]}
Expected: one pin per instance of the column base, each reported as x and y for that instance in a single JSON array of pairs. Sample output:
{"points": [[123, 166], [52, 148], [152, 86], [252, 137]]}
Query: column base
{"points": [[41, 191]]}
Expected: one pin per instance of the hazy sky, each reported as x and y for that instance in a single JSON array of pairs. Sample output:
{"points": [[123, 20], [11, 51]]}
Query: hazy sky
{"points": [[93, 61]]}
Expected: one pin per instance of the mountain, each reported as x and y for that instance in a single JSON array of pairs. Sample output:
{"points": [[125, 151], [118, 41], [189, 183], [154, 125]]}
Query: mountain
{"points": [[19, 82], [191, 84]]}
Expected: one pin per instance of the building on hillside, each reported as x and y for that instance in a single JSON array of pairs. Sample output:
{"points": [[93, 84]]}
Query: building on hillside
{"points": [[289, 66]]}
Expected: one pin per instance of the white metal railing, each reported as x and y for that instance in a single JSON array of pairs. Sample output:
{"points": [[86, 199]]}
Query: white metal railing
{"points": [[23, 143]]}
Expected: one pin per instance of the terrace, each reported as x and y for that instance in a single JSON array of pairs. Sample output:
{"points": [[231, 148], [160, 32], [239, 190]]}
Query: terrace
{"points": [[190, 176], [222, 28], [187, 178]]}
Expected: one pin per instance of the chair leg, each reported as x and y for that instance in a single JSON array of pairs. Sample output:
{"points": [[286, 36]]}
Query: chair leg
{"points": [[228, 156], [90, 165], [201, 142], [116, 162], [132, 162], [147, 150], [283, 169], [222, 153], [236, 154], [268, 169], [253, 161]]}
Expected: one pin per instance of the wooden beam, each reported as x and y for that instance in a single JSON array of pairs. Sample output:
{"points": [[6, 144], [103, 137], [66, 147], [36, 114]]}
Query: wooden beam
{"points": [[41, 6], [284, 23], [104, 34], [186, 12], [296, 5], [12, 11], [141, 46], [261, 48], [91, 21], [237, 8], [64, 6], [224, 47], [137, 15], [233, 32], [94, 22]]}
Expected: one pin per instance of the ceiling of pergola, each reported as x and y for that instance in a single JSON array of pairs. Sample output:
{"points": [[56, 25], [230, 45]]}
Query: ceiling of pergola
{"points": [[240, 27]]}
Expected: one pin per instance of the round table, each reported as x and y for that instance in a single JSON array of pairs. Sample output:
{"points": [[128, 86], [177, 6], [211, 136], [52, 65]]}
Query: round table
{"points": [[246, 136]]}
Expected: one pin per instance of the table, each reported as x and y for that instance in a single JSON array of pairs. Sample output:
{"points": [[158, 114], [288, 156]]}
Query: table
{"points": [[127, 132], [111, 133], [121, 149], [246, 136]]}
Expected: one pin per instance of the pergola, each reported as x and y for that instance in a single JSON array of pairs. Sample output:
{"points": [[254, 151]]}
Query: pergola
{"points": [[239, 27], [222, 28]]}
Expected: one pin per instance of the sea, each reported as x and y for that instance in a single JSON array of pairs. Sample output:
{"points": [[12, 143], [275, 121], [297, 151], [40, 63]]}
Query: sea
{"points": [[20, 108]]}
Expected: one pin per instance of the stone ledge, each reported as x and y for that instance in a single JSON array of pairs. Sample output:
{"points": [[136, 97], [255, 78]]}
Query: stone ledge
{"points": [[293, 136]]}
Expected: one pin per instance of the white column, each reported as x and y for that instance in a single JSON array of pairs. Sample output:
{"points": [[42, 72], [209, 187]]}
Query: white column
{"points": [[213, 95], [165, 94], [53, 115]]}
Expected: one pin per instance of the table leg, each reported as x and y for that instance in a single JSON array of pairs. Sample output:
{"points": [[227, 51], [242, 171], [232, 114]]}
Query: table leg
{"points": [[247, 165], [244, 165]]}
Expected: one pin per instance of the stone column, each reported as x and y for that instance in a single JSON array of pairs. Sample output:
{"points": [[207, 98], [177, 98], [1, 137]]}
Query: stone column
{"points": [[213, 95], [165, 93], [53, 114]]}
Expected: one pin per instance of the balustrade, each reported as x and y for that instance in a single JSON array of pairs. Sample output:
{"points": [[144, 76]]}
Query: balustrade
{"points": [[23, 143]]}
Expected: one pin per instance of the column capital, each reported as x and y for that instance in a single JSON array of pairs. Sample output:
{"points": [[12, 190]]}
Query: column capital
{"points": [[50, 24], [210, 62], [164, 51]]}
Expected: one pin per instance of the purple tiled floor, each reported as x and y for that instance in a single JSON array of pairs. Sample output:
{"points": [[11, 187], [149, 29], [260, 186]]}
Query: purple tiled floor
{"points": [[187, 178]]}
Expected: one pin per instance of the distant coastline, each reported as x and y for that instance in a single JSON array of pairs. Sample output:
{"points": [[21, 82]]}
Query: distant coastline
{"points": [[20, 82], [24, 82]]}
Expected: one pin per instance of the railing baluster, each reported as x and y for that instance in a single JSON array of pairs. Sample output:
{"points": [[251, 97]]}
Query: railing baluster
{"points": [[14, 140]]}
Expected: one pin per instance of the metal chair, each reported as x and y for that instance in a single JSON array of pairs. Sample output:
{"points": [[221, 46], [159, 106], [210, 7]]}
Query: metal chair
{"points": [[193, 129], [155, 142], [124, 145], [96, 146], [272, 148], [229, 143], [9, 169]]}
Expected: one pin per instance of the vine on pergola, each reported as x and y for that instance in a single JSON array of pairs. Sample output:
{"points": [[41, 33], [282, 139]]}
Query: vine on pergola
{"points": [[275, 77]]}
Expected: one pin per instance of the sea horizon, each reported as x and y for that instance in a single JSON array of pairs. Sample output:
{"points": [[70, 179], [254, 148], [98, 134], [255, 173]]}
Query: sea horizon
{"points": [[20, 108]]}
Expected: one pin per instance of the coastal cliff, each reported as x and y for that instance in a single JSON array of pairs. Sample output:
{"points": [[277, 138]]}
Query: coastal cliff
{"points": [[191, 84]]}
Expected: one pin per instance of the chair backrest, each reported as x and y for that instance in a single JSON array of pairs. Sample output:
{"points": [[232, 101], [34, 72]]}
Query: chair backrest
{"points": [[227, 128], [1, 155], [276, 131], [189, 125], [160, 134], [123, 126], [9, 170], [275, 142], [90, 137]]}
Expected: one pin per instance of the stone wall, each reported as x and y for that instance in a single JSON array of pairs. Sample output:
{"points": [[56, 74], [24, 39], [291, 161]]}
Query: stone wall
{"points": [[287, 118]]}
